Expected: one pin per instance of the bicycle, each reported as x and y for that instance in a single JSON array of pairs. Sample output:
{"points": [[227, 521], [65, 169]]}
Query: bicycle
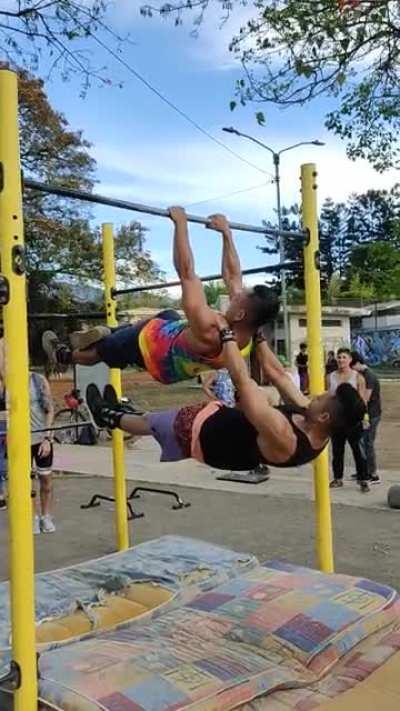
{"points": [[75, 413]]}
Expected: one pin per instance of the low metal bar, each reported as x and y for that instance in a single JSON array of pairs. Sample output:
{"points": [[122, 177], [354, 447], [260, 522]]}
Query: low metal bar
{"points": [[270, 269], [148, 209], [63, 427], [96, 500], [95, 315], [180, 503]]}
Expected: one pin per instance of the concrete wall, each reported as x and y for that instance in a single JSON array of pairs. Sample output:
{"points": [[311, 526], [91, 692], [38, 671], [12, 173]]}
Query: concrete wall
{"points": [[333, 336]]}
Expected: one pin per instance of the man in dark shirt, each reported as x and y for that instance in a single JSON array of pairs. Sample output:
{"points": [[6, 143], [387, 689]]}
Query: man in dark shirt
{"points": [[373, 399], [302, 367]]}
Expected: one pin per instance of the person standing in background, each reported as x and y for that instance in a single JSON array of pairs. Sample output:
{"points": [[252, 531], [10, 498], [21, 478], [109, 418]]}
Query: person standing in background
{"points": [[345, 374], [302, 367], [331, 363], [218, 385], [42, 417], [374, 405]]}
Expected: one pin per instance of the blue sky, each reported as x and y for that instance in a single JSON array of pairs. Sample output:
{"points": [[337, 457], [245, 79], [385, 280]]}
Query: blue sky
{"points": [[147, 153]]}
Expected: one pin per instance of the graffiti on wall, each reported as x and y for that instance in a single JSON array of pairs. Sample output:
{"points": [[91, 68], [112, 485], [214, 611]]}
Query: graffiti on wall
{"points": [[380, 347]]}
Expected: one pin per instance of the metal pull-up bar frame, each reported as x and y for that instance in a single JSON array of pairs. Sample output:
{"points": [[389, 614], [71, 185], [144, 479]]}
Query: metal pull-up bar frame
{"points": [[22, 678], [149, 210], [270, 269]]}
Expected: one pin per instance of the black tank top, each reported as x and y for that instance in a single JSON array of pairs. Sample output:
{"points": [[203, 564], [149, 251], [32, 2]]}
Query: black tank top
{"points": [[229, 441]]}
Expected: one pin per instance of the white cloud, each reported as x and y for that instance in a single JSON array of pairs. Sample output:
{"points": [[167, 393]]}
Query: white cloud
{"points": [[191, 172], [181, 173], [209, 49]]}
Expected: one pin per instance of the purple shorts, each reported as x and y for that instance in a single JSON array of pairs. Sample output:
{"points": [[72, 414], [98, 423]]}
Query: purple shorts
{"points": [[162, 427]]}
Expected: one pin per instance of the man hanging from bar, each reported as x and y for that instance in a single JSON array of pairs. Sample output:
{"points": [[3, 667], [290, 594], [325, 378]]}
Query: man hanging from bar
{"points": [[169, 348], [252, 433]]}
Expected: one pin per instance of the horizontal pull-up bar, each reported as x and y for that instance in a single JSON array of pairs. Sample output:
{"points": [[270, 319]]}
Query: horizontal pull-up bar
{"points": [[211, 277], [160, 212]]}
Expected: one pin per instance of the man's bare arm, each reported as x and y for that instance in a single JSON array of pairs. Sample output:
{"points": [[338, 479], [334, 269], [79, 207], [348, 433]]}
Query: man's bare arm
{"points": [[268, 421], [200, 316], [231, 269], [274, 372], [362, 388]]}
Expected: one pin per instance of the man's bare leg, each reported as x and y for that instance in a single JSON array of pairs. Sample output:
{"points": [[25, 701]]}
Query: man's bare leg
{"points": [[86, 357], [135, 425]]}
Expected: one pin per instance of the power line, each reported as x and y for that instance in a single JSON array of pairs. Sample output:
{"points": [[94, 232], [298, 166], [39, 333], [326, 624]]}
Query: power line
{"points": [[175, 108], [227, 195]]}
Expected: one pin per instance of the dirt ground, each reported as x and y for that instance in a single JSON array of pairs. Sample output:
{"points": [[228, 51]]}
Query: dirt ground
{"points": [[367, 542], [153, 396]]}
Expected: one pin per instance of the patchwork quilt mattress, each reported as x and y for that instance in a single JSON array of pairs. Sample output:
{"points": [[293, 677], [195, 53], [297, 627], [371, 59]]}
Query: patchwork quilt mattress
{"points": [[275, 627]]}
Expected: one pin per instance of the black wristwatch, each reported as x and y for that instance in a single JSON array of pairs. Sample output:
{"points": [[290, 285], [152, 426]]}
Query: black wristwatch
{"points": [[226, 334]]}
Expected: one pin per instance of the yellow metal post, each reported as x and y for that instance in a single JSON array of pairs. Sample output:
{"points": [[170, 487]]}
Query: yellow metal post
{"points": [[17, 382], [121, 517], [324, 541]]}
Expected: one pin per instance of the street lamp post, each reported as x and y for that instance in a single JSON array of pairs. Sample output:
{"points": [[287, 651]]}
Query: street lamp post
{"points": [[276, 155]]}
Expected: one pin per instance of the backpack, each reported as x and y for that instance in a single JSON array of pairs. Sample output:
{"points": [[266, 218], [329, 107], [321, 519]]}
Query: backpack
{"points": [[87, 435]]}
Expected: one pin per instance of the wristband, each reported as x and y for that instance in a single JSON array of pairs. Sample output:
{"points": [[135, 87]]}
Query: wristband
{"points": [[259, 338], [226, 334]]}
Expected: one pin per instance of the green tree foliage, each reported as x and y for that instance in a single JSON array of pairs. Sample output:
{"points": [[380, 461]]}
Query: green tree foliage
{"points": [[213, 290], [58, 33], [294, 51], [375, 270], [62, 247], [359, 244]]}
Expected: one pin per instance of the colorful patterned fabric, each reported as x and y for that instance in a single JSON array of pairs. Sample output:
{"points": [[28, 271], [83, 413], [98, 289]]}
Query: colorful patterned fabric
{"points": [[276, 627], [353, 668], [168, 355], [183, 565]]}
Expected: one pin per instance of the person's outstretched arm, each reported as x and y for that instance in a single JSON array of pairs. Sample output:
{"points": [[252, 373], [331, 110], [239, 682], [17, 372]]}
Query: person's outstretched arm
{"points": [[270, 424], [231, 269], [200, 316], [274, 372]]}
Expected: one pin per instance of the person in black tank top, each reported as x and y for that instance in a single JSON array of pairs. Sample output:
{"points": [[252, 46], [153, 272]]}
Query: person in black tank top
{"points": [[254, 432]]}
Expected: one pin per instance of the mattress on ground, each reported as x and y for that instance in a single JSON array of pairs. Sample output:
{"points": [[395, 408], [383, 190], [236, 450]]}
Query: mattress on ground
{"points": [[177, 563], [277, 626], [358, 669]]}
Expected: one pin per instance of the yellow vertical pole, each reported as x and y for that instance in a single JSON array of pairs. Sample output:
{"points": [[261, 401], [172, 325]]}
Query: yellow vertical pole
{"points": [[324, 542], [121, 519], [17, 382]]}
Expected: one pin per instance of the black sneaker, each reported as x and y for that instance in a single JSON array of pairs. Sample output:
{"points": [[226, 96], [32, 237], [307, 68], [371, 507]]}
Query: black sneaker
{"points": [[336, 484], [364, 487], [3, 504], [103, 416], [111, 400], [375, 479]]}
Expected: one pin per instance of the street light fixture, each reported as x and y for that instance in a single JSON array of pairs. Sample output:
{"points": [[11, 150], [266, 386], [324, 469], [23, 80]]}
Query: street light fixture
{"points": [[276, 155]]}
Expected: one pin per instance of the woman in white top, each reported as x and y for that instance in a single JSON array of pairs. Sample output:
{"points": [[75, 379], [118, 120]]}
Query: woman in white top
{"points": [[345, 374]]}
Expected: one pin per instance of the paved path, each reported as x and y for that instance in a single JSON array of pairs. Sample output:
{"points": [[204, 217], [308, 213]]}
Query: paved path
{"points": [[142, 465]]}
